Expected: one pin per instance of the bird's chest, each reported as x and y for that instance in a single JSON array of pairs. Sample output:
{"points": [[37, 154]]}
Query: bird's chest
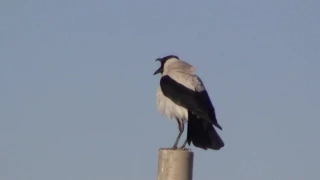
{"points": [[169, 108]]}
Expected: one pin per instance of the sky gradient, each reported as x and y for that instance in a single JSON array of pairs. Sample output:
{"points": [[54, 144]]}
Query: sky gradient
{"points": [[77, 96]]}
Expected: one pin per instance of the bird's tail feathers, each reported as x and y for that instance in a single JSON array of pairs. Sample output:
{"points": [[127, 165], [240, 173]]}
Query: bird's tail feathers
{"points": [[202, 134]]}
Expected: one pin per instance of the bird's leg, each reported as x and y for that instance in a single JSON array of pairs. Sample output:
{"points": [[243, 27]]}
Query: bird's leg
{"points": [[181, 128], [184, 144]]}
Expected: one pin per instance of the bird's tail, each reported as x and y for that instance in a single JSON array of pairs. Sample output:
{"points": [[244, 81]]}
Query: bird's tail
{"points": [[202, 134]]}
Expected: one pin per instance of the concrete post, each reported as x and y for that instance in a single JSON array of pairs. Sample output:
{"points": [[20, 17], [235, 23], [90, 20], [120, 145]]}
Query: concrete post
{"points": [[175, 164]]}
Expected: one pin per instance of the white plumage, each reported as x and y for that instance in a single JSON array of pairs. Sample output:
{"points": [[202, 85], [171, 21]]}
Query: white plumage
{"points": [[170, 109], [183, 73]]}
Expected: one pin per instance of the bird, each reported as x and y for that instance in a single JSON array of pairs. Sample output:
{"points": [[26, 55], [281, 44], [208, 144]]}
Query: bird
{"points": [[182, 96]]}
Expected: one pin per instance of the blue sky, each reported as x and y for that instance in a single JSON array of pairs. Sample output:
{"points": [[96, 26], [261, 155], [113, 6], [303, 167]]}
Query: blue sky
{"points": [[78, 95]]}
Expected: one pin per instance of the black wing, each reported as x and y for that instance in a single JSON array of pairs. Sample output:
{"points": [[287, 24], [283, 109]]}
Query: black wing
{"points": [[198, 103]]}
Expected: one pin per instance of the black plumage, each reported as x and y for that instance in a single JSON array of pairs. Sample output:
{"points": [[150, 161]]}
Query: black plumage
{"points": [[202, 134]]}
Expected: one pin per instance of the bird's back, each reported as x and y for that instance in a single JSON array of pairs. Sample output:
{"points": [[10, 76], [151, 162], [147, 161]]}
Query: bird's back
{"points": [[185, 74]]}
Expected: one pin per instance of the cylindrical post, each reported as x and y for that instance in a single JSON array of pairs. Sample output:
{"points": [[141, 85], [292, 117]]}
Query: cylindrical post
{"points": [[175, 164]]}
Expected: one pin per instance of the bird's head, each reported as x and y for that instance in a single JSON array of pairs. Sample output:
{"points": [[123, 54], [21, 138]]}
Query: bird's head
{"points": [[163, 62]]}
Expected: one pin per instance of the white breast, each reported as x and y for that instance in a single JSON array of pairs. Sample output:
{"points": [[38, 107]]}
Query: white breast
{"points": [[169, 108]]}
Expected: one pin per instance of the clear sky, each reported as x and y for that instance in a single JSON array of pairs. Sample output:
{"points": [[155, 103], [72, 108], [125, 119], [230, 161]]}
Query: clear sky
{"points": [[77, 96]]}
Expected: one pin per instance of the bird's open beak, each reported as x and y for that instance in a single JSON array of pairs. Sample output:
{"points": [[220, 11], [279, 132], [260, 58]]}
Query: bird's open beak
{"points": [[158, 70]]}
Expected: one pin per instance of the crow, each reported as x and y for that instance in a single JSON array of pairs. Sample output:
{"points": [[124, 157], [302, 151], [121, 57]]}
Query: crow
{"points": [[183, 96]]}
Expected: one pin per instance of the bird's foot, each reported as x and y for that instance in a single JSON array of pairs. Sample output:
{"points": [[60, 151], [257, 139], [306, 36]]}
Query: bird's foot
{"points": [[184, 148]]}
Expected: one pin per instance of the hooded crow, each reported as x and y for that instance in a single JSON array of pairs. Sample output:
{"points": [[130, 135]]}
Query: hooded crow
{"points": [[182, 96]]}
